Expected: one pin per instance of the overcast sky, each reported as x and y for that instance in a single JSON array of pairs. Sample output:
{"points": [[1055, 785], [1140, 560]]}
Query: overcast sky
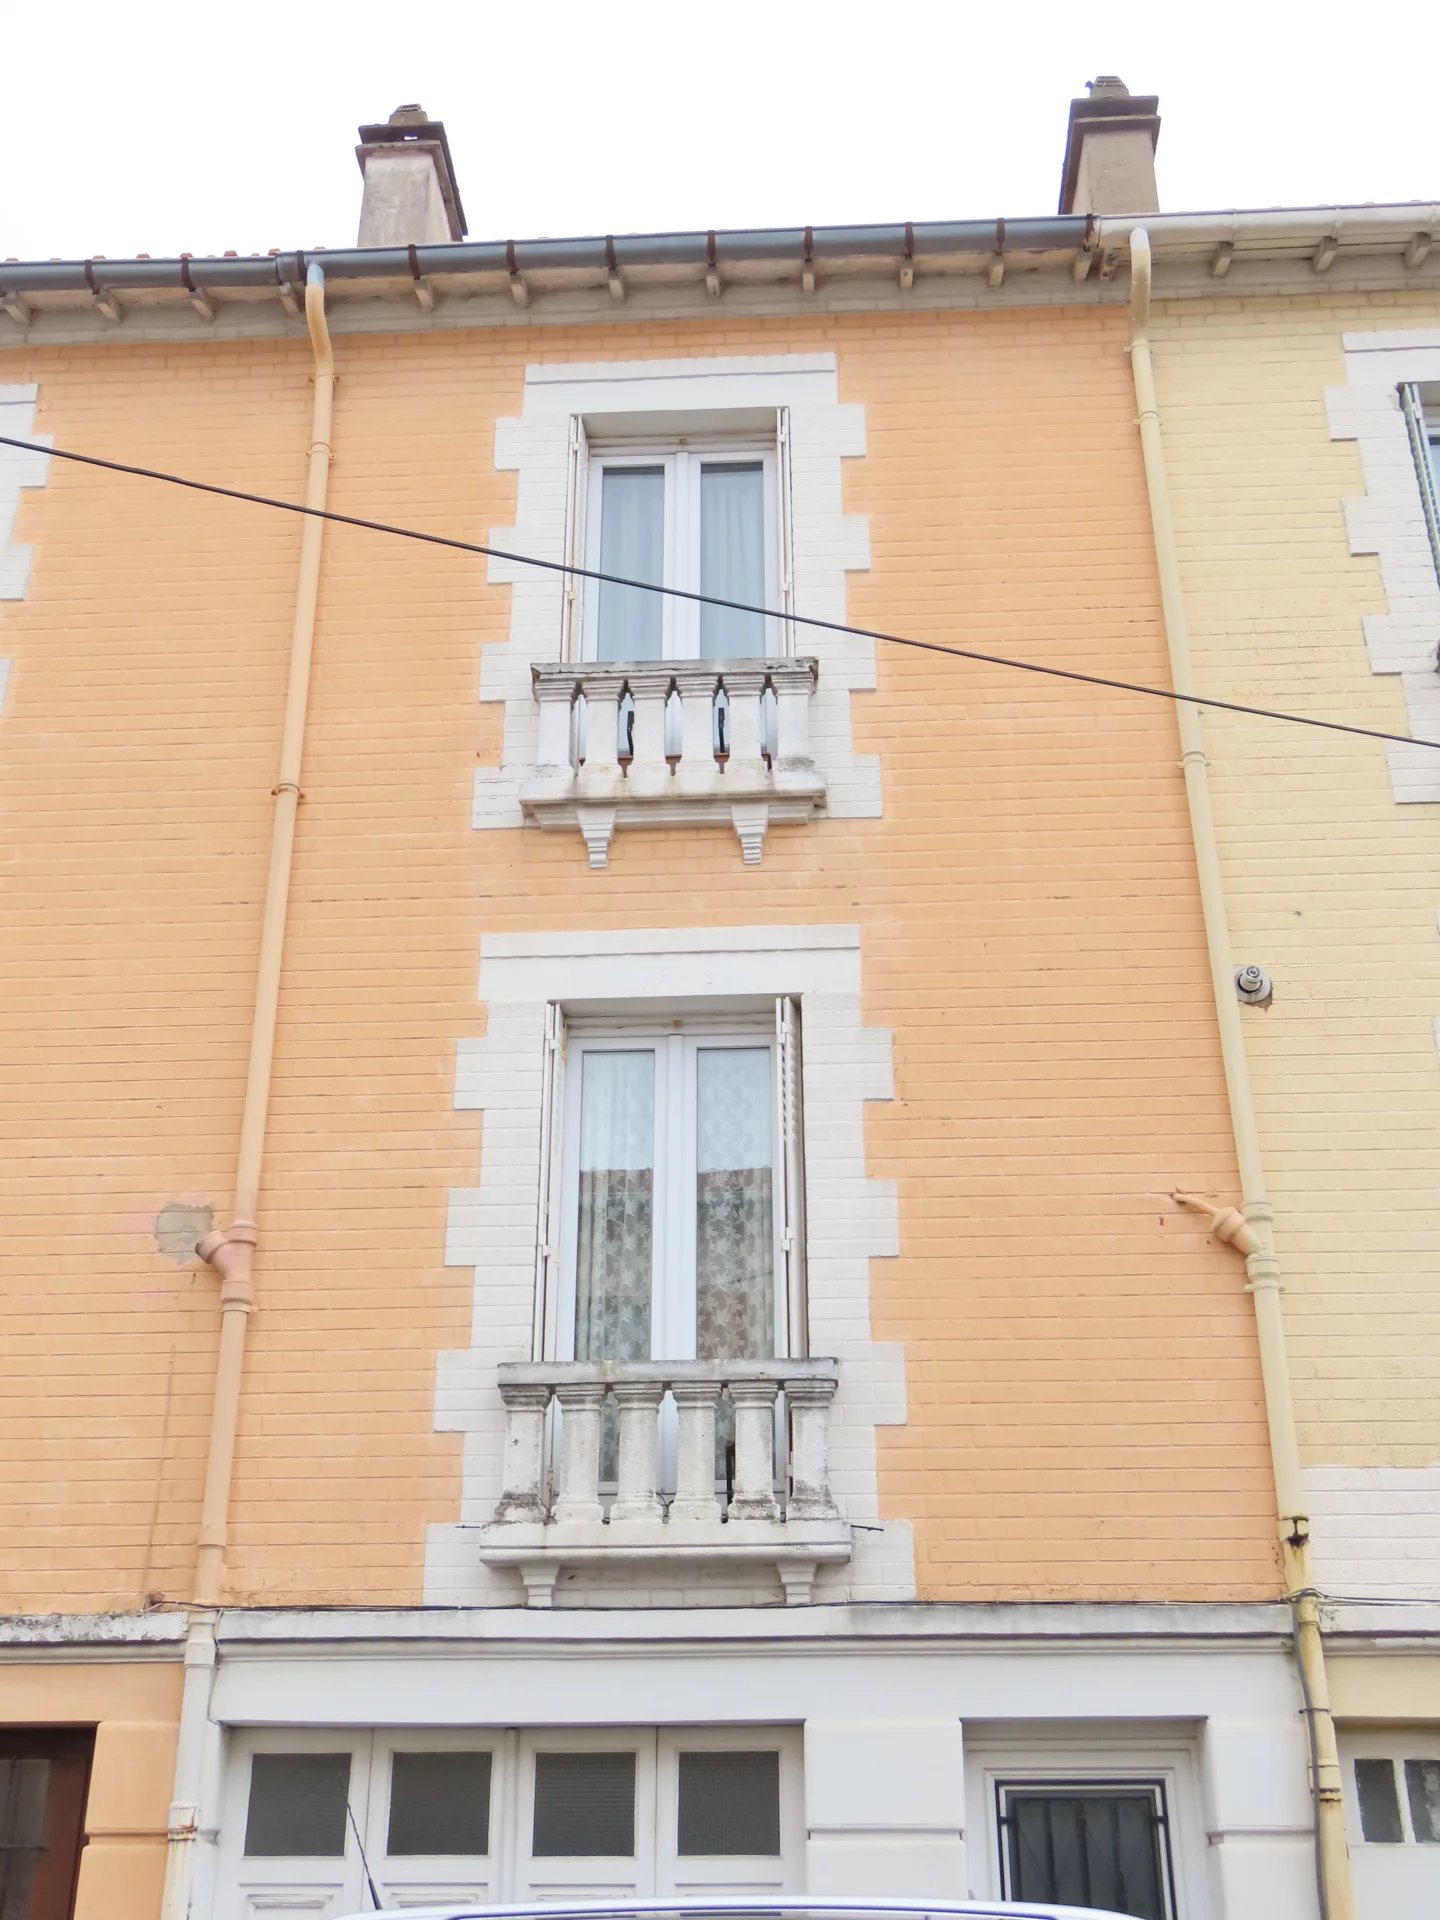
{"points": [[161, 126]]}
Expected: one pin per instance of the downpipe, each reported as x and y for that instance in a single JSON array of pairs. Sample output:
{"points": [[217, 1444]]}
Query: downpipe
{"points": [[1251, 1231], [232, 1252]]}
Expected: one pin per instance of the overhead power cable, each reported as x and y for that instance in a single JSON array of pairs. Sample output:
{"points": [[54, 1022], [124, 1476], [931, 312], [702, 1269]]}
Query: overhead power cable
{"points": [[715, 600]]}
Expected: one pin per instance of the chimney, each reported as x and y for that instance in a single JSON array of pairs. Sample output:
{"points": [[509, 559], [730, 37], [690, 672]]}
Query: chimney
{"points": [[411, 198], [1110, 151]]}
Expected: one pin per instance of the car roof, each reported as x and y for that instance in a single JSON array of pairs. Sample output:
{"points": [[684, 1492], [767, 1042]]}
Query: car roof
{"points": [[719, 1905]]}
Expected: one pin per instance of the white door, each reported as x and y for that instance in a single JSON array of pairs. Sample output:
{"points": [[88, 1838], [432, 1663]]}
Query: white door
{"points": [[1392, 1814], [287, 1844], [314, 1820], [731, 1810]]}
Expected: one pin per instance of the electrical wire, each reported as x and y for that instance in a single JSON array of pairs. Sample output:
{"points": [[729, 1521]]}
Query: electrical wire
{"points": [[715, 600]]}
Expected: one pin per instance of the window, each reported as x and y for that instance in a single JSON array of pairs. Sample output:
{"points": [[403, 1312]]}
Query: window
{"points": [[1098, 1843], [678, 1196], [1421, 407], [297, 1805], [728, 1803], [44, 1777], [702, 515], [1399, 1801]]}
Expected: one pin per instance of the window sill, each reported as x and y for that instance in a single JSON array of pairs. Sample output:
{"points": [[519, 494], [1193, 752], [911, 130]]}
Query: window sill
{"points": [[747, 788]]}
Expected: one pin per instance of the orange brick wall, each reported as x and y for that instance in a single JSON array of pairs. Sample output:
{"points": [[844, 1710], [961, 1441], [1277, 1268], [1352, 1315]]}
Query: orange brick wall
{"points": [[1085, 1412]]}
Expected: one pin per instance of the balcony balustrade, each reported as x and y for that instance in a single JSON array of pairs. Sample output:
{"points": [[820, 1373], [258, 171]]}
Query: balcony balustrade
{"points": [[557, 1509], [672, 743]]}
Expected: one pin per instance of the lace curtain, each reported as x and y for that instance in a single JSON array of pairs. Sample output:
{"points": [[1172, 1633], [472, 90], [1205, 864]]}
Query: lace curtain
{"points": [[616, 1227], [734, 1205]]}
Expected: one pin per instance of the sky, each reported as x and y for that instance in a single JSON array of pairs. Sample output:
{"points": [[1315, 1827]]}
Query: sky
{"points": [[158, 127]]}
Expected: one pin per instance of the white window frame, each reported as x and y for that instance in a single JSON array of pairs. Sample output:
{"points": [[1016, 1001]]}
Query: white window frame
{"points": [[676, 1043], [1397, 1745], [681, 464], [1422, 420], [1082, 1756]]}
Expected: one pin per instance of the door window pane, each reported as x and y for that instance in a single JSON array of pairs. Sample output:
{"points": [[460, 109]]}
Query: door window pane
{"points": [[584, 1806], [1379, 1802], [616, 1225], [732, 559], [1085, 1849], [632, 545], [24, 1790], [734, 1205], [297, 1804], [729, 1803], [1422, 1790], [439, 1803]]}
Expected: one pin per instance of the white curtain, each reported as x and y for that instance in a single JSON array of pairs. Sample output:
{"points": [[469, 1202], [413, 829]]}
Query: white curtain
{"points": [[632, 544], [734, 1205], [732, 560], [616, 1227]]}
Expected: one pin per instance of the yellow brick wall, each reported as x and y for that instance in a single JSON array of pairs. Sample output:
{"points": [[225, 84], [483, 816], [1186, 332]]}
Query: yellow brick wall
{"points": [[1333, 886], [1085, 1413]]}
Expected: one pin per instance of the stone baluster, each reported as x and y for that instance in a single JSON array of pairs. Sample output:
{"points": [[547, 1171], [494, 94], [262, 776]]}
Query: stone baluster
{"points": [[557, 724], [580, 1407], [792, 721], [695, 1405], [744, 687], [809, 1405], [649, 771], [754, 1404], [602, 729], [637, 1475], [521, 1498], [697, 728]]}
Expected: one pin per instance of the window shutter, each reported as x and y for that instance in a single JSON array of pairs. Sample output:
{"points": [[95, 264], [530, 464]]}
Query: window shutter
{"points": [[1414, 410], [548, 1225], [790, 1166], [576, 485], [787, 536]]}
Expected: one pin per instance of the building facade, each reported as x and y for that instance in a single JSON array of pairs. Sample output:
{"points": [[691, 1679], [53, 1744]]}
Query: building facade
{"points": [[596, 1291]]}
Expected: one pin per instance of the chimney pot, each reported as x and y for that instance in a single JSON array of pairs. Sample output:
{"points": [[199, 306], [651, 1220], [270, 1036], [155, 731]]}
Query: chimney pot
{"points": [[411, 197], [1110, 150]]}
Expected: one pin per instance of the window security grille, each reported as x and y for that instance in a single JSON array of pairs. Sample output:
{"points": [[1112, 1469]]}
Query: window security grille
{"points": [[1091, 1844], [297, 1805], [439, 1804], [729, 1803], [584, 1806]]}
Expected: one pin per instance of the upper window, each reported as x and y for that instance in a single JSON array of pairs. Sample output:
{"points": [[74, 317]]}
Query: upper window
{"points": [[1099, 1843], [702, 516]]}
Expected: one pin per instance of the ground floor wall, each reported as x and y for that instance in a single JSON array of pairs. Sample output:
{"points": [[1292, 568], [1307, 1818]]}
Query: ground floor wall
{"points": [[902, 1745], [131, 1704], [841, 1750]]}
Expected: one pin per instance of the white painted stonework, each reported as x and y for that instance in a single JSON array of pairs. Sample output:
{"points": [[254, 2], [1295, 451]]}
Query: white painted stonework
{"points": [[827, 543], [897, 1723], [1376, 1530], [851, 1219], [18, 468], [1388, 521]]}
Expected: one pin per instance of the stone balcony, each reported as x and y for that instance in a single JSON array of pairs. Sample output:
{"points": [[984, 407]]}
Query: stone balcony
{"points": [[658, 743], [777, 1510]]}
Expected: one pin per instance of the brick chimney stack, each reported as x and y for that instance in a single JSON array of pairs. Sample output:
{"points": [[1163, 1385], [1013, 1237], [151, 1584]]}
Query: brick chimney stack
{"points": [[410, 198], [1110, 151]]}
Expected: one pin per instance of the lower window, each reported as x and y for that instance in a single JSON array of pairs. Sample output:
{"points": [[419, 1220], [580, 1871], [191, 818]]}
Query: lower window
{"points": [[44, 1777], [1097, 1843]]}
